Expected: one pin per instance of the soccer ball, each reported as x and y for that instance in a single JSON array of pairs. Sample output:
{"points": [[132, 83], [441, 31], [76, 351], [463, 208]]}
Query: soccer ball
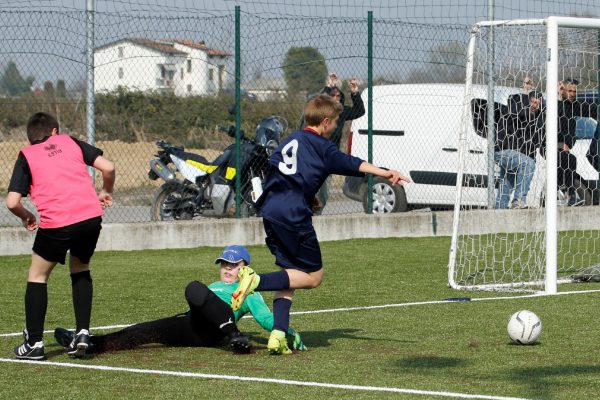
{"points": [[524, 327]]}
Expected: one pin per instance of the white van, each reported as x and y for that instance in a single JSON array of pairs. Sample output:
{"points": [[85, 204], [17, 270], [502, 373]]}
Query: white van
{"points": [[416, 130]]}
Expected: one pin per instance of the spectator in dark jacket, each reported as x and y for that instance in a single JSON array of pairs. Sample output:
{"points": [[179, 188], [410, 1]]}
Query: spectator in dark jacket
{"points": [[517, 141], [517, 102], [569, 108], [349, 113]]}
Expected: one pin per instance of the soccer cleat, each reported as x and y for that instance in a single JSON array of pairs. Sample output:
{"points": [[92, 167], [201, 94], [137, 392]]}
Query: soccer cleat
{"points": [[239, 343], [248, 282], [575, 201], [79, 345], [63, 337], [30, 352], [277, 344], [518, 205]]}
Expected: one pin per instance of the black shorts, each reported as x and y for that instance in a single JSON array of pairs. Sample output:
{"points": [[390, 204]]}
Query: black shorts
{"points": [[80, 238], [292, 248]]}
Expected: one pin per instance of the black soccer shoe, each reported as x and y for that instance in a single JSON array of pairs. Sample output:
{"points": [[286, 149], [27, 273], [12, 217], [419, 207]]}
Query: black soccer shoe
{"points": [[239, 343], [63, 337], [27, 351], [80, 344]]}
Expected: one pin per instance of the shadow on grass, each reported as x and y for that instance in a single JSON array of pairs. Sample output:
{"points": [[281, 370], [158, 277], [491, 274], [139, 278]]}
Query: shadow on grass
{"points": [[550, 382], [315, 339], [431, 362]]}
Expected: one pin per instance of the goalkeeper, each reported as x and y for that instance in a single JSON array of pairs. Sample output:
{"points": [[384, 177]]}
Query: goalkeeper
{"points": [[210, 321]]}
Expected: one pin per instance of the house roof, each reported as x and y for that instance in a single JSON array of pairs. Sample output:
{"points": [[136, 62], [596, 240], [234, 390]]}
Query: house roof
{"points": [[202, 46], [168, 46], [163, 47]]}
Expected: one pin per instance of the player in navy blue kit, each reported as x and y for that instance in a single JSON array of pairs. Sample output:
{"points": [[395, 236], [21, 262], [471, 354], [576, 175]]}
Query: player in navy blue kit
{"points": [[297, 169]]}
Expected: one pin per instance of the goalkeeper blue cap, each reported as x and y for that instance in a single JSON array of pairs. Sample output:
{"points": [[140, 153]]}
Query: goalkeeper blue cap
{"points": [[234, 254]]}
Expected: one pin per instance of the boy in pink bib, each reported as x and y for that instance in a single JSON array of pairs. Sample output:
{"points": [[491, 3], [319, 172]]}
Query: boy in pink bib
{"points": [[53, 171]]}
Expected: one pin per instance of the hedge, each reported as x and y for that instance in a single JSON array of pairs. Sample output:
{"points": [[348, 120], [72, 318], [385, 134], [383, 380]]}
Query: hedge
{"points": [[136, 116]]}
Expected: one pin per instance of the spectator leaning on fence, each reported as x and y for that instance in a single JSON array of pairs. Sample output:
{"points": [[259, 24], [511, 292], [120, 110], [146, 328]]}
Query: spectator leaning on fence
{"points": [[519, 136], [357, 110], [569, 108]]}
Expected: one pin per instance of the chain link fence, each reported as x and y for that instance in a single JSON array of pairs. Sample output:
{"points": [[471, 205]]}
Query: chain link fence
{"points": [[168, 72]]}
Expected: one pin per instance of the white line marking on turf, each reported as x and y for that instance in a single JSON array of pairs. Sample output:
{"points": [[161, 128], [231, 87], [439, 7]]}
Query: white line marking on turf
{"points": [[418, 303], [263, 380]]}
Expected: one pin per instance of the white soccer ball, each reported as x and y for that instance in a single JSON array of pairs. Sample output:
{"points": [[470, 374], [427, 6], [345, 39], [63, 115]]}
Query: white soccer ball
{"points": [[524, 327]]}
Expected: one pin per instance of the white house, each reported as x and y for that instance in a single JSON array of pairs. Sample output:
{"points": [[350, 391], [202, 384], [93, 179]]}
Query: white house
{"points": [[267, 88], [183, 67]]}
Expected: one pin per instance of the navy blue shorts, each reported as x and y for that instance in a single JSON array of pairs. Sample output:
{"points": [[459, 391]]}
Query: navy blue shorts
{"points": [[292, 248], [80, 238]]}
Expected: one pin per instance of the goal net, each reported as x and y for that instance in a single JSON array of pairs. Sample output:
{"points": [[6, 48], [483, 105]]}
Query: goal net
{"points": [[526, 211]]}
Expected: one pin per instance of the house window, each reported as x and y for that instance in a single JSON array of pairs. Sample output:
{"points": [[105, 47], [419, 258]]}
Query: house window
{"points": [[181, 73], [189, 66], [189, 88], [121, 73], [120, 51], [210, 74]]}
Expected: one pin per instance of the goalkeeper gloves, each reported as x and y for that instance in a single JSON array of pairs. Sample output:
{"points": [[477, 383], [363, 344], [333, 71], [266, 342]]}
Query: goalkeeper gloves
{"points": [[297, 343]]}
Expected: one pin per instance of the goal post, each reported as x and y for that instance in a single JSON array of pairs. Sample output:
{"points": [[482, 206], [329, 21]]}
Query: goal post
{"points": [[553, 234]]}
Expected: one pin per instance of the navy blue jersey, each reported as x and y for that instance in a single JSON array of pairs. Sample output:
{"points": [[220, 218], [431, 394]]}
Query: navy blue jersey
{"points": [[297, 169]]}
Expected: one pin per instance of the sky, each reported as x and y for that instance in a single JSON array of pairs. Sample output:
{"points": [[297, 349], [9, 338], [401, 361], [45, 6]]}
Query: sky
{"points": [[46, 38]]}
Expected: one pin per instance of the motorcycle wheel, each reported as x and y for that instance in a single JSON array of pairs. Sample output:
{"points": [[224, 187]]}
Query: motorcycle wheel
{"points": [[247, 210], [172, 202], [247, 207]]}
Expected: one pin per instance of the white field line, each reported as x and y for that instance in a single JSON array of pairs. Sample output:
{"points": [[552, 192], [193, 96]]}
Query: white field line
{"points": [[418, 303], [262, 380]]}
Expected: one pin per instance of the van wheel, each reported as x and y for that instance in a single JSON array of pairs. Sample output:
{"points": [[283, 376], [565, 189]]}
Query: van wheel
{"points": [[387, 198]]}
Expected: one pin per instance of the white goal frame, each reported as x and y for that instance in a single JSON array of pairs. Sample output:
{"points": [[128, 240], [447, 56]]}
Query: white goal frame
{"points": [[551, 235]]}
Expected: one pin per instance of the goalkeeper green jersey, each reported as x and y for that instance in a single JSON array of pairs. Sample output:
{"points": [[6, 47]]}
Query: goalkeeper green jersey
{"points": [[254, 304]]}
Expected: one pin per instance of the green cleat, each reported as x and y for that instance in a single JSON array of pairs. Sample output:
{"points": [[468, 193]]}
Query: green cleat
{"points": [[248, 282], [277, 344]]}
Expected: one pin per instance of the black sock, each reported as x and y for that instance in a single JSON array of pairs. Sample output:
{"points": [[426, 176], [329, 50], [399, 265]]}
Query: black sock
{"points": [[36, 303], [273, 281], [83, 290], [205, 305], [281, 314]]}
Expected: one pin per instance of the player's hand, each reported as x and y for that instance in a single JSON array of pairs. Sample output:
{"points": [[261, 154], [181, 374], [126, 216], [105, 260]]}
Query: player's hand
{"points": [[29, 222], [106, 199], [297, 343], [353, 84], [397, 178]]}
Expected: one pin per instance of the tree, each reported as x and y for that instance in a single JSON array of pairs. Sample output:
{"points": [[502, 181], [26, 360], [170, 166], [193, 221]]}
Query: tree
{"points": [[446, 64], [61, 88], [12, 83], [49, 89], [304, 70]]}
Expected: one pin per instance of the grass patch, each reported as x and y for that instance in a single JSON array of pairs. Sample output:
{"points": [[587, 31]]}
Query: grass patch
{"points": [[457, 347]]}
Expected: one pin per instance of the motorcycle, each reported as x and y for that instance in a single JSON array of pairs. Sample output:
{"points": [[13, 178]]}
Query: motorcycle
{"points": [[193, 186]]}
